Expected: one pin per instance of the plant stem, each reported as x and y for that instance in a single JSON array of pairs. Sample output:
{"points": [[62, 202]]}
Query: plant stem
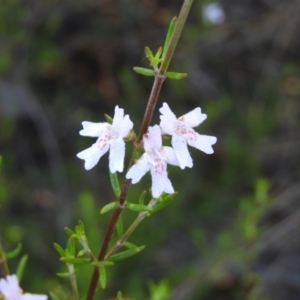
{"points": [[73, 281], [153, 98]]}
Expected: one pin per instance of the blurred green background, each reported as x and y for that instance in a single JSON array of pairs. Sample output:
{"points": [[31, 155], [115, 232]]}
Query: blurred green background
{"points": [[232, 231]]}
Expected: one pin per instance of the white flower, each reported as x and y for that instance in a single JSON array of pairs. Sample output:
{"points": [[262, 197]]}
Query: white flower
{"points": [[182, 133], [9, 287], [110, 137], [154, 159]]}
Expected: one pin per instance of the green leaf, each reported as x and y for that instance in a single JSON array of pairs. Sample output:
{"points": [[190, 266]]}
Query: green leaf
{"points": [[148, 53], [21, 267], [108, 118], [108, 207], [102, 279], [71, 247], [59, 249], [158, 54], [69, 231], [81, 252], [53, 296], [169, 36], [138, 207], [144, 71], [176, 75], [99, 264], [164, 201], [14, 252], [130, 246], [63, 274], [126, 254], [115, 183], [76, 261], [120, 226], [142, 198]]}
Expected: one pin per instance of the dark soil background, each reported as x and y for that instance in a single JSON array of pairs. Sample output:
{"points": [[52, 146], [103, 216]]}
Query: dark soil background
{"points": [[232, 231]]}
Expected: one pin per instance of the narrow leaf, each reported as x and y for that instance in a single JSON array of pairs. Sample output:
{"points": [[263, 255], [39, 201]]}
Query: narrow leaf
{"points": [[71, 247], [158, 53], [130, 246], [69, 231], [126, 254], [115, 183], [165, 200], [53, 296], [120, 230], [102, 263], [175, 75], [63, 274], [142, 198], [108, 207], [144, 71], [137, 207], [119, 296], [59, 249], [108, 118], [21, 267], [81, 252], [76, 261], [169, 36], [14, 252], [148, 53], [102, 279]]}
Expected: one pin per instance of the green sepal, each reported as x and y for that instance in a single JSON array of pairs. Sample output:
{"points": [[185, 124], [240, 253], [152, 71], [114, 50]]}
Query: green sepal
{"points": [[163, 201], [126, 254], [14, 252], [115, 183], [142, 197], [99, 264], [108, 207], [63, 274], [144, 71], [108, 118], [138, 207], [119, 296], [76, 261], [53, 296], [69, 231], [60, 250], [169, 36], [175, 75], [120, 230], [102, 279], [21, 267], [130, 246]]}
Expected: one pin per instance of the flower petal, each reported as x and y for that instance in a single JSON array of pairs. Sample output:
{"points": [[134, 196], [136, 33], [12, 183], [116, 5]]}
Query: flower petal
{"points": [[118, 117], [126, 126], [181, 150], [92, 155], [203, 143], [152, 139], [167, 126], [193, 118], [168, 154], [116, 156], [166, 111], [93, 129], [139, 169], [160, 181]]}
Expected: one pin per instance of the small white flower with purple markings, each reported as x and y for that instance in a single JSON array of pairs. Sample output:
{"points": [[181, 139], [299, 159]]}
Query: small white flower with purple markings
{"points": [[9, 288], [110, 137], [155, 160], [182, 133]]}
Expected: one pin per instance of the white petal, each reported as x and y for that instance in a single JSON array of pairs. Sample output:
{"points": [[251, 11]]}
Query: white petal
{"points": [[34, 297], [203, 143], [118, 117], [139, 169], [116, 156], [166, 111], [93, 129], [194, 117], [152, 139], [160, 181], [92, 155], [169, 156], [181, 150], [167, 125], [126, 126]]}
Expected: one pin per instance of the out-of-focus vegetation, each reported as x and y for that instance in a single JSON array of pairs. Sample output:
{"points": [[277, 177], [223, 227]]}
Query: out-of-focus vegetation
{"points": [[232, 230]]}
